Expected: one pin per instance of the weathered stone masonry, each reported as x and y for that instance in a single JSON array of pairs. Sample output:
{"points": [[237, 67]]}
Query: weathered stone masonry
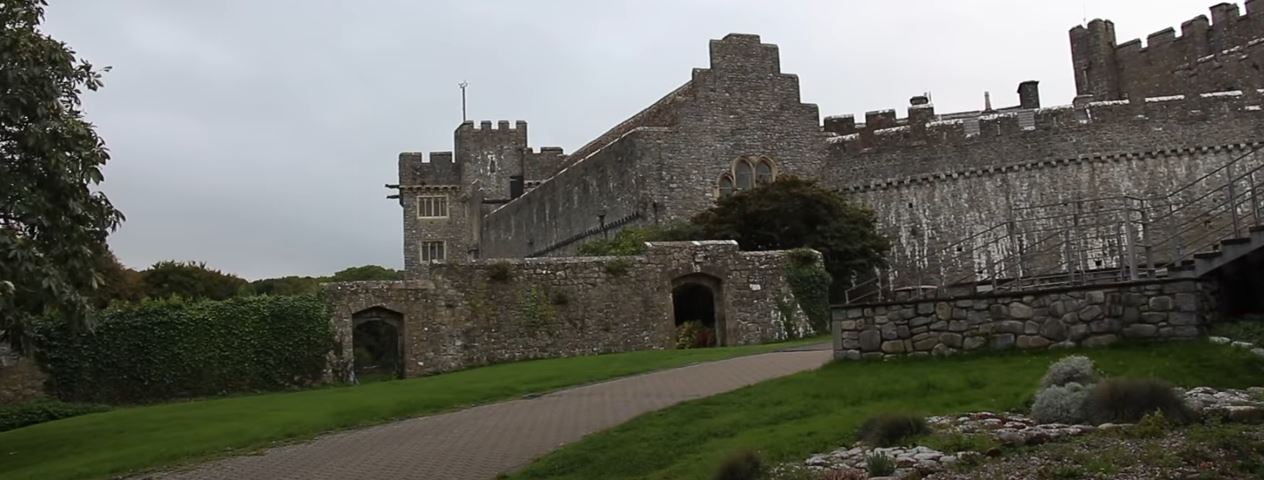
{"points": [[494, 311], [1055, 318]]}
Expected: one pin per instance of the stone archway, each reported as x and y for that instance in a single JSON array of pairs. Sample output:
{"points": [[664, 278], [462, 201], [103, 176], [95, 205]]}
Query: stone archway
{"points": [[698, 298], [377, 341]]}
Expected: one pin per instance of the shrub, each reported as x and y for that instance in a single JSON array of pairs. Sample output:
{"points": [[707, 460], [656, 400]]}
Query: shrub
{"points": [[1127, 400], [40, 411], [500, 272], [889, 429], [743, 465], [1152, 425], [1071, 369], [879, 464], [618, 267], [693, 334], [163, 349], [1061, 404], [810, 282]]}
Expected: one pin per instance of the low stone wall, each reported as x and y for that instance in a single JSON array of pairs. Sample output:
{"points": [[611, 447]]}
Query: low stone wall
{"points": [[493, 311], [1092, 316], [21, 379]]}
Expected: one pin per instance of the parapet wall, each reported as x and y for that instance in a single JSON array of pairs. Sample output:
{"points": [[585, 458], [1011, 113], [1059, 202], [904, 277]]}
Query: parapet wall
{"points": [[1223, 53], [1086, 317], [484, 312]]}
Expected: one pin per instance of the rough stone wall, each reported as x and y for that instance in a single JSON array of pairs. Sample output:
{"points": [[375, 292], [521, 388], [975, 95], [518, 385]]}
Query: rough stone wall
{"points": [[493, 311], [490, 154], [459, 231], [934, 186], [1224, 53], [21, 380], [1089, 317]]}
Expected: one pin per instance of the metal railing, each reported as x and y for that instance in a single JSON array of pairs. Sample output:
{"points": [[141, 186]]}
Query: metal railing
{"points": [[1076, 242]]}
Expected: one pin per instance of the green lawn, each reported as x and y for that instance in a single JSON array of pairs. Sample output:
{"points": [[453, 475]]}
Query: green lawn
{"points": [[790, 418], [132, 439]]}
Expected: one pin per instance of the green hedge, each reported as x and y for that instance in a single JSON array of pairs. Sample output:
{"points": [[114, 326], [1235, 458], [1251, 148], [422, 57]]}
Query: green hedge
{"points": [[44, 410], [810, 283], [163, 349]]}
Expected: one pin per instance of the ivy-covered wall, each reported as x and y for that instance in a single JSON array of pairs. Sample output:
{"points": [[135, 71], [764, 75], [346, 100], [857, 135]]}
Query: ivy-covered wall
{"points": [[493, 311]]}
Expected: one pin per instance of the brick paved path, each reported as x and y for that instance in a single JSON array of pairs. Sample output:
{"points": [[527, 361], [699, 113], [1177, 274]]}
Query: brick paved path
{"points": [[481, 442]]}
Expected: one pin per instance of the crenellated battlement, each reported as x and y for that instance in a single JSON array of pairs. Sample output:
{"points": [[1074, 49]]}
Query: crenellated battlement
{"points": [[1166, 63], [1023, 125]]}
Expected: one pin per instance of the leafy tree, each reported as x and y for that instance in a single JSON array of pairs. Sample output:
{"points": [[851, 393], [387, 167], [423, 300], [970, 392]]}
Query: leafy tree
{"points": [[793, 213], [192, 280], [53, 226], [118, 283], [366, 273], [288, 285]]}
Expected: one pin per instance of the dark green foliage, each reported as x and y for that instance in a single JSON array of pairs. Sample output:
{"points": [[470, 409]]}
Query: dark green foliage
{"points": [[163, 349], [618, 267], [631, 241], [693, 334], [559, 298], [190, 280], [890, 429], [44, 410], [1127, 400], [500, 272], [118, 283], [1249, 329], [810, 283], [879, 464], [53, 224], [792, 213], [365, 273], [290, 285], [743, 465]]}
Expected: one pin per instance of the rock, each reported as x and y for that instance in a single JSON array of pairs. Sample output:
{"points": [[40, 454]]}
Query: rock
{"points": [[893, 346], [1140, 330], [1104, 325], [1186, 302], [1219, 340], [1183, 318], [1259, 352], [1053, 330], [943, 311], [1020, 311], [1160, 303], [1003, 341], [1033, 341], [889, 331], [1095, 297], [1242, 345], [870, 340], [973, 343], [1100, 341], [1013, 439], [1093, 312], [1153, 317], [1009, 326], [951, 339], [919, 321], [925, 308]]}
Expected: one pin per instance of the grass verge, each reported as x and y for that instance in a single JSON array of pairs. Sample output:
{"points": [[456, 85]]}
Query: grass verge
{"points": [[789, 418], [139, 438]]}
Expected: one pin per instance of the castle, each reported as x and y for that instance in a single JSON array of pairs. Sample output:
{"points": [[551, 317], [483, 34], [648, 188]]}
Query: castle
{"points": [[1147, 117], [1156, 157]]}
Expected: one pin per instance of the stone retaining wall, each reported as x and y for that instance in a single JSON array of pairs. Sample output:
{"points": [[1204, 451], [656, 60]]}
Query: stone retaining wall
{"points": [[1093, 316], [21, 379]]}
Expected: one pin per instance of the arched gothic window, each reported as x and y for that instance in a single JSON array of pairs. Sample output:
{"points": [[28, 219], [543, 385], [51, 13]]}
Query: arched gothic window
{"points": [[745, 175], [763, 172], [726, 185]]}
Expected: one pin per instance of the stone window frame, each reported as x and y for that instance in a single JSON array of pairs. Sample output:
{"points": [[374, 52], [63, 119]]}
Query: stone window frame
{"points": [[759, 170], [433, 250], [430, 205]]}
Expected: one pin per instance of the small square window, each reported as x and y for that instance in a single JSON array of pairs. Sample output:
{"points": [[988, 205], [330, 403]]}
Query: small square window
{"points": [[432, 251], [432, 206]]}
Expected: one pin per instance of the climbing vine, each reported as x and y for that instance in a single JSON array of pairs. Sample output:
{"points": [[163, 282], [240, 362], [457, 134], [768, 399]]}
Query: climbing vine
{"points": [[810, 283], [537, 309]]}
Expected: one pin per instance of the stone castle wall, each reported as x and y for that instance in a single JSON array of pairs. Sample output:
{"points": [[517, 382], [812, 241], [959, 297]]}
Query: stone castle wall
{"points": [[493, 311], [21, 379], [1223, 53], [1089, 317], [934, 185]]}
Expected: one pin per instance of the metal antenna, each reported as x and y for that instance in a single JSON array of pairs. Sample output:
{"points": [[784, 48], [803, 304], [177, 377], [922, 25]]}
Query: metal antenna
{"points": [[463, 84]]}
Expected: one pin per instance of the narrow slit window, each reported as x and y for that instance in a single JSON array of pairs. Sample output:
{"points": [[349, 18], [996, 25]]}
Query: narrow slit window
{"points": [[432, 206]]}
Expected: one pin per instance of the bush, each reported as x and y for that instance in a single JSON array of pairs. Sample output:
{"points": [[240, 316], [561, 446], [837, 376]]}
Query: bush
{"points": [[890, 429], [743, 465], [810, 283], [1071, 369], [163, 349], [694, 335], [879, 464], [1127, 400], [1061, 404], [500, 272], [40, 411], [1152, 425], [618, 267]]}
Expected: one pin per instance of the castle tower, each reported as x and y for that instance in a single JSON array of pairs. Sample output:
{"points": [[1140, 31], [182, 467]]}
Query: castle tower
{"points": [[491, 156], [1093, 55]]}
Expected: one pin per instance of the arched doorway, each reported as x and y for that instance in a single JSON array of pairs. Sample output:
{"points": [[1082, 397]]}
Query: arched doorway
{"points": [[377, 344], [697, 311]]}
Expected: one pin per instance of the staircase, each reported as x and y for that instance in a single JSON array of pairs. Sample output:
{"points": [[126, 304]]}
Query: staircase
{"points": [[1190, 232]]}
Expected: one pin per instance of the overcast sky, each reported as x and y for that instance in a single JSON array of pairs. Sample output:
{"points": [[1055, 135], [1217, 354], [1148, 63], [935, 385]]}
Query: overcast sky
{"points": [[257, 135]]}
